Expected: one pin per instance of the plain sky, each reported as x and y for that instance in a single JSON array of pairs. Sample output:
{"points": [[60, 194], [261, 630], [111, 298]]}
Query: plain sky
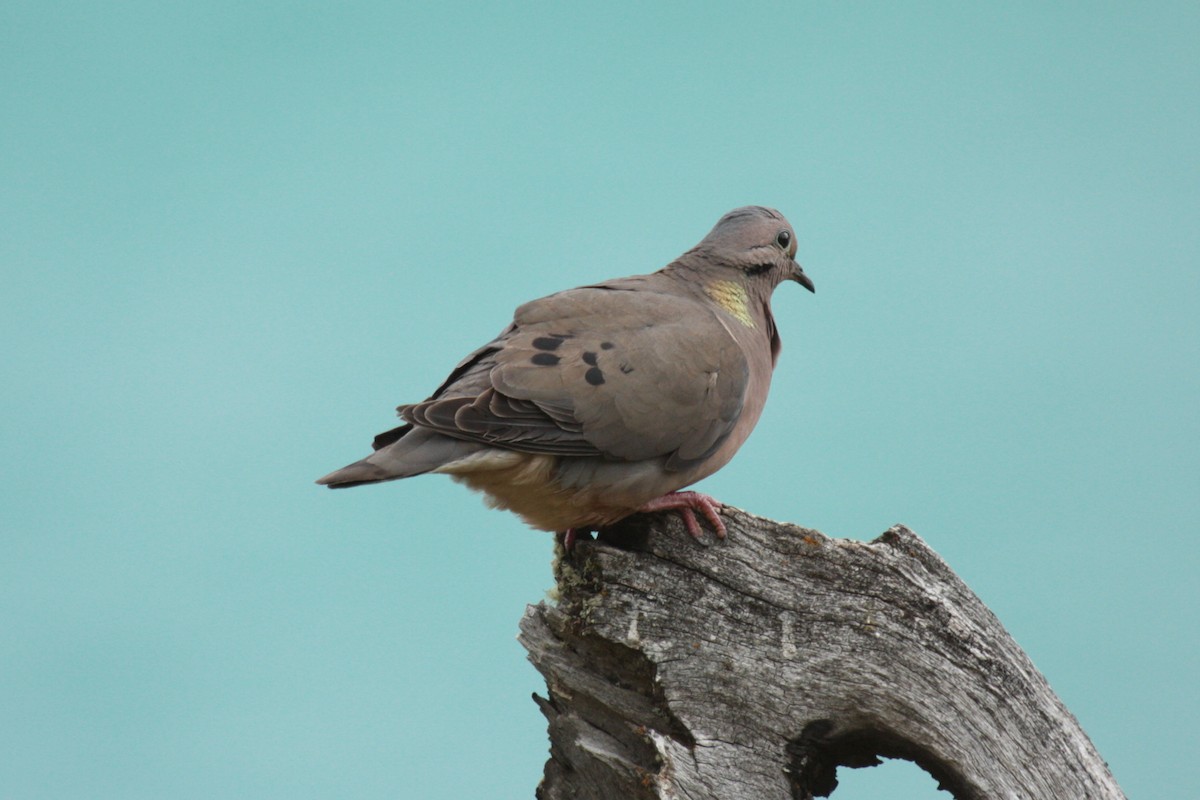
{"points": [[233, 236]]}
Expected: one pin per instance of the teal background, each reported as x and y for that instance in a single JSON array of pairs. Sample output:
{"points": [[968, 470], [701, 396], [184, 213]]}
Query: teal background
{"points": [[234, 236]]}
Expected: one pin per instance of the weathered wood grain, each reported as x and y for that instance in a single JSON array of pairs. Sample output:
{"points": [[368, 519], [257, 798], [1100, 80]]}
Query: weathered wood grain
{"points": [[753, 667]]}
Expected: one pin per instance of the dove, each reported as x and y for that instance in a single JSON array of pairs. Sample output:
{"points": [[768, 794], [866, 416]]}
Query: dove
{"points": [[606, 400]]}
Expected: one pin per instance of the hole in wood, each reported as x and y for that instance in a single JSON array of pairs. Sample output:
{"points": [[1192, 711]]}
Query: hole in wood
{"points": [[894, 778], [815, 755]]}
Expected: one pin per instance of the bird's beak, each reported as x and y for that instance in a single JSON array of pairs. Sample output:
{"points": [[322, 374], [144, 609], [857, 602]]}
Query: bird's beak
{"points": [[799, 277]]}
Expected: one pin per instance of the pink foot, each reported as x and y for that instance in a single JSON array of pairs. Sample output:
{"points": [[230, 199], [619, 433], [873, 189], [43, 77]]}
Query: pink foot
{"points": [[687, 503]]}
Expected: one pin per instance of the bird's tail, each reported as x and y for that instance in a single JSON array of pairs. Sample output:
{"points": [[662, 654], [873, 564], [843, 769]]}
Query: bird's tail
{"points": [[402, 453]]}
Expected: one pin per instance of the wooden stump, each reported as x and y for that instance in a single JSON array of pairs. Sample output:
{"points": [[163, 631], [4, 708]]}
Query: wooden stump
{"points": [[753, 667]]}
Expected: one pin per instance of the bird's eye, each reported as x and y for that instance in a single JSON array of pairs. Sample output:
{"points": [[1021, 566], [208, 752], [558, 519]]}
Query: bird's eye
{"points": [[784, 239]]}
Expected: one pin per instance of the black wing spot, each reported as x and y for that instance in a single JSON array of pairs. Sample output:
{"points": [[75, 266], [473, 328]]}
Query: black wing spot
{"points": [[547, 342], [589, 358], [626, 369], [545, 359], [607, 345], [594, 376]]}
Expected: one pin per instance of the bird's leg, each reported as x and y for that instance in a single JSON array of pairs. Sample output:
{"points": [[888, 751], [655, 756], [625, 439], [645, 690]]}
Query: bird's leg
{"points": [[687, 503], [571, 535]]}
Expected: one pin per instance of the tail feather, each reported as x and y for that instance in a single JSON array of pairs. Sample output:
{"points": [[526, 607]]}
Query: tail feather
{"points": [[413, 451], [357, 474]]}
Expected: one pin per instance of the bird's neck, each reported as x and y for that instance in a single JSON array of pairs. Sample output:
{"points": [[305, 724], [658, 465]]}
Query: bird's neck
{"points": [[732, 297], [747, 301]]}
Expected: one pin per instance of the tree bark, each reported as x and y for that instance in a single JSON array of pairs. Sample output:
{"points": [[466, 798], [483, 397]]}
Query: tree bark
{"points": [[755, 666]]}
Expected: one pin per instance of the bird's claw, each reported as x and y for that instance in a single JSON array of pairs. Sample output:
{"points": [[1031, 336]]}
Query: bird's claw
{"points": [[687, 504]]}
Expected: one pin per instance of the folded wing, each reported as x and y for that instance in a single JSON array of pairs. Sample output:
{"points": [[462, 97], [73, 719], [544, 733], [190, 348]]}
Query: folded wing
{"points": [[616, 370]]}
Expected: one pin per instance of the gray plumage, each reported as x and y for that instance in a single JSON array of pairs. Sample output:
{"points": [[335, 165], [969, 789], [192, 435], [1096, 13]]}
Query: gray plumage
{"points": [[599, 400]]}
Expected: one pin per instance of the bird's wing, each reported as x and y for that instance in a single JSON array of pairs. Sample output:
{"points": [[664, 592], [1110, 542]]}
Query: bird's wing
{"points": [[615, 370]]}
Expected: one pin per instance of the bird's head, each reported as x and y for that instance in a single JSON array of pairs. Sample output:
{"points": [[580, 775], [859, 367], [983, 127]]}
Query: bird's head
{"points": [[759, 243]]}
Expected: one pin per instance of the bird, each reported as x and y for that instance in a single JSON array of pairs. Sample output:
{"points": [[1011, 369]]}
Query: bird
{"points": [[607, 400]]}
